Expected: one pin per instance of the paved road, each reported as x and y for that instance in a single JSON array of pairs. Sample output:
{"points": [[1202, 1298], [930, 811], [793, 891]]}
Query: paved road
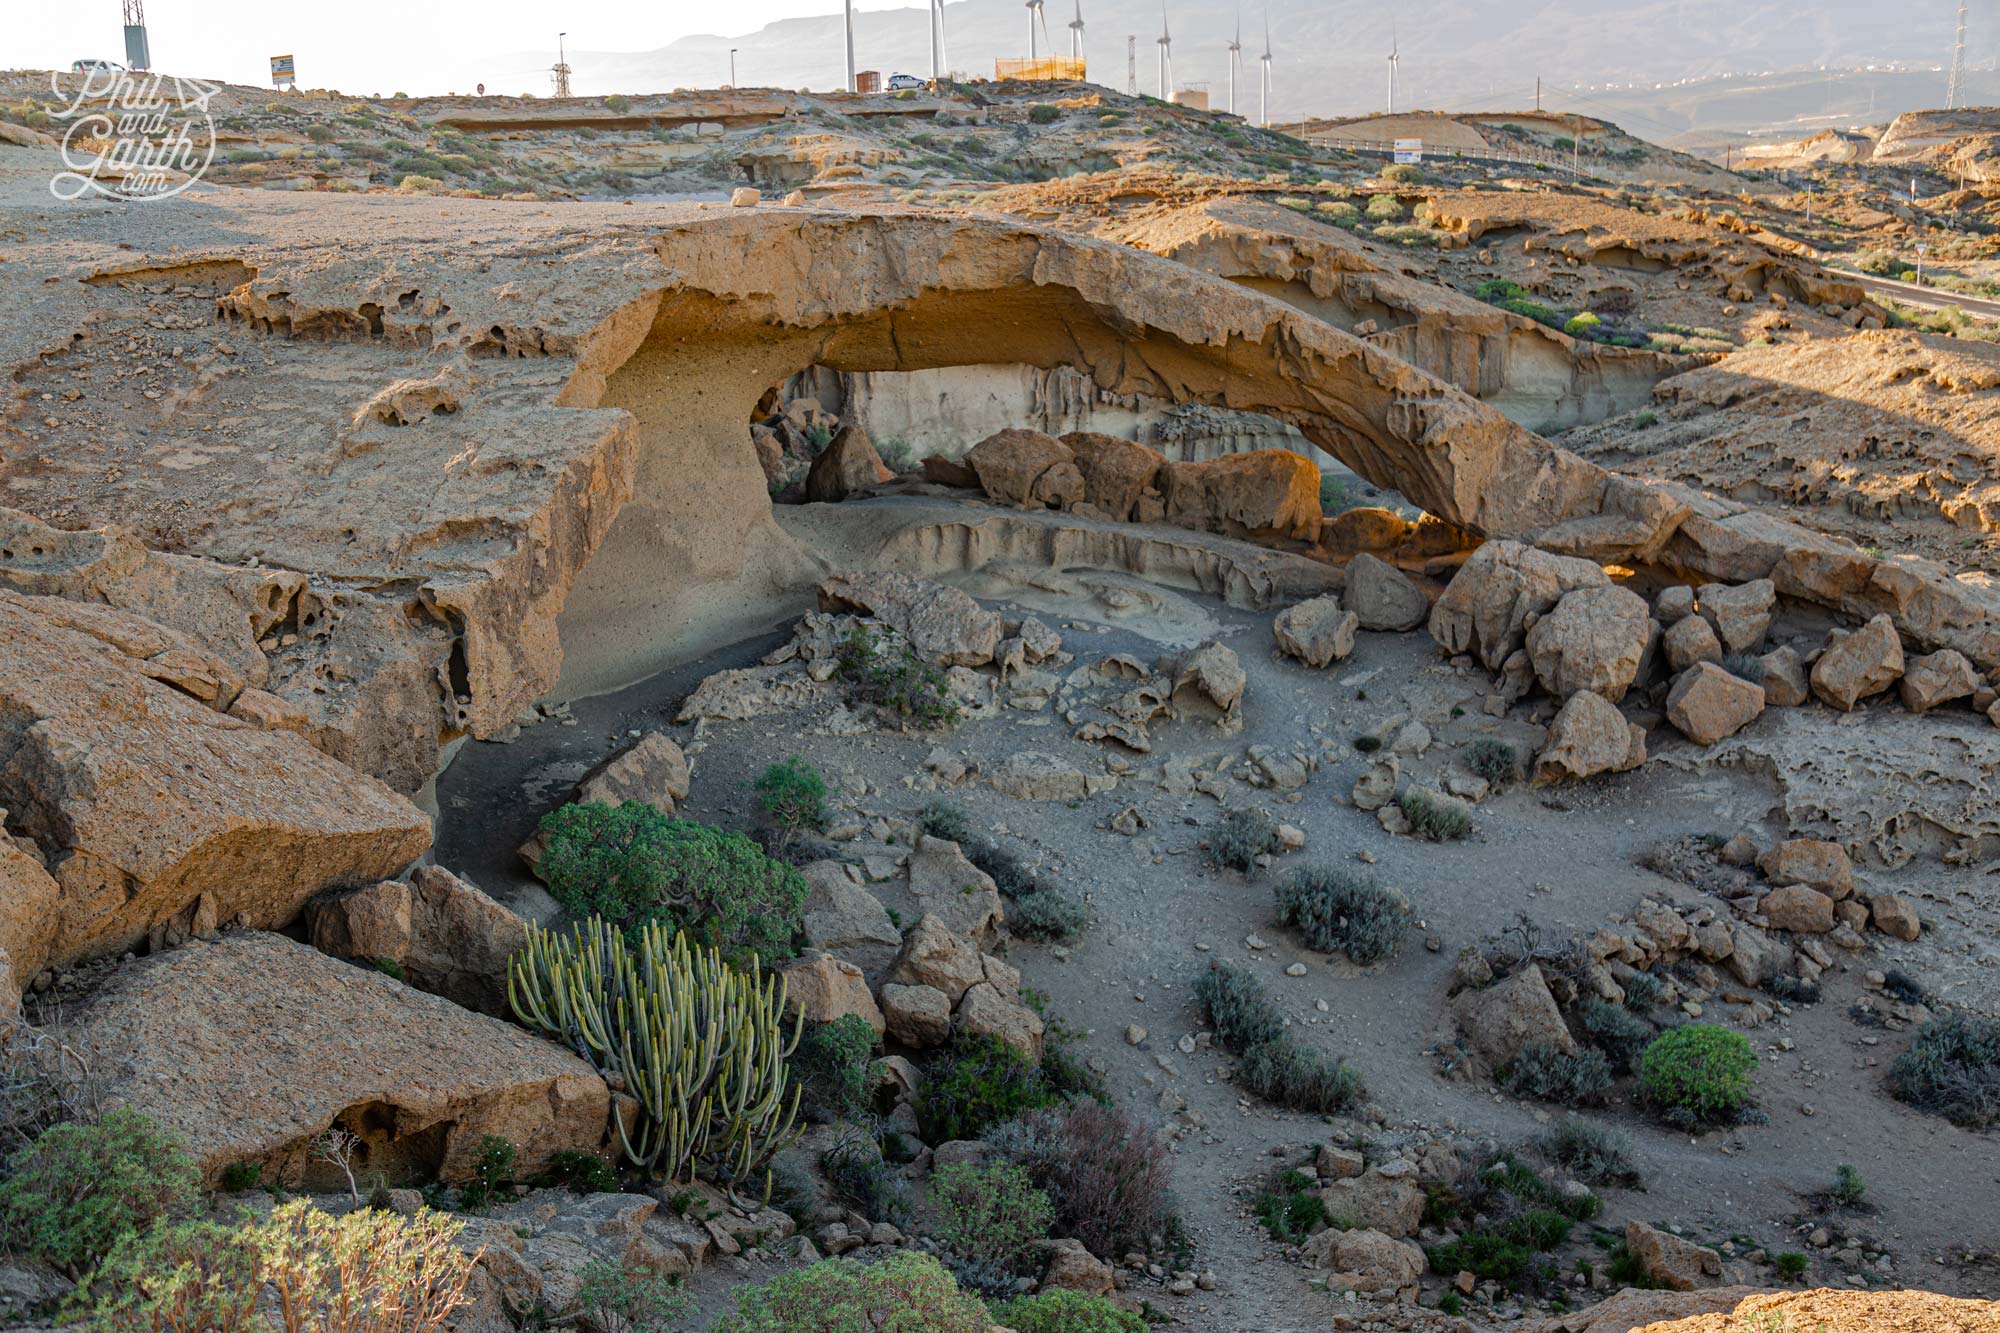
{"points": [[1932, 298]]}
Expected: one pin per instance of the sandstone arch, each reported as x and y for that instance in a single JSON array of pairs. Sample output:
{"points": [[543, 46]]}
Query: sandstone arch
{"points": [[752, 297]]}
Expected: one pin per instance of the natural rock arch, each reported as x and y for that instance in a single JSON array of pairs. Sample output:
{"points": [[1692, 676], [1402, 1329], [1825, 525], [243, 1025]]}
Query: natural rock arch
{"points": [[752, 297]]}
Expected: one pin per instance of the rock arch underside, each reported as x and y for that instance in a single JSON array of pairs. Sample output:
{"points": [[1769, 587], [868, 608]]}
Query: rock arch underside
{"points": [[401, 489]]}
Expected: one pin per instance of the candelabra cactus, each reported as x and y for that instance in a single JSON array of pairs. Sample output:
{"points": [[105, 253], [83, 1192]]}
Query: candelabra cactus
{"points": [[700, 1045]]}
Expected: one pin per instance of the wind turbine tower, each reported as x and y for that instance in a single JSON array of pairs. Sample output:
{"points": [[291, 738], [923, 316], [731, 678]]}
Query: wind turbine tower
{"points": [[939, 62], [850, 45], [1034, 13], [1955, 92], [1264, 98], [1166, 57], [1075, 32], [1394, 59], [1235, 58]]}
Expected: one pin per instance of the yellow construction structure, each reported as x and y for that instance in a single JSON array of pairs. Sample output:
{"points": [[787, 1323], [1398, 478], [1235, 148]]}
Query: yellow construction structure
{"points": [[1050, 67]]}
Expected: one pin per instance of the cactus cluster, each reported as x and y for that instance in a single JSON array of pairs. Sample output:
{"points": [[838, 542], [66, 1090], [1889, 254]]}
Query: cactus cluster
{"points": [[700, 1045]]}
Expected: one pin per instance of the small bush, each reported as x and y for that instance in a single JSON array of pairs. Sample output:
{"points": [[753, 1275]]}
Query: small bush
{"points": [[1433, 819], [1645, 420], [906, 1291], [1292, 1211], [1494, 760], [1107, 1173], [990, 1212], [975, 1084], [1595, 1154], [416, 183], [1338, 211], [176, 1277], [1338, 911], [1047, 914], [580, 1172], [1901, 986], [618, 102], [1698, 1074], [618, 1299], [80, 1187], [630, 862], [1541, 1071], [1291, 1075], [1333, 495], [1235, 1005], [1952, 1069], [792, 795], [1060, 1311], [320, 133], [1242, 837], [830, 1065], [1642, 992], [492, 1173], [1403, 173], [945, 819], [1581, 324], [1848, 1187], [1617, 1031], [858, 1175], [1041, 113], [890, 675], [1384, 207], [1791, 1265]]}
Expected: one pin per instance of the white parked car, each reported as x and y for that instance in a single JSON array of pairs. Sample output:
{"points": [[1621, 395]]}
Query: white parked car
{"points": [[95, 67], [898, 82]]}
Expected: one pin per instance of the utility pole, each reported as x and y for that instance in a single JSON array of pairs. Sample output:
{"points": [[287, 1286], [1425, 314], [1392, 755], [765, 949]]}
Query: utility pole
{"points": [[1576, 150], [732, 67], [561, 71], [1538, 92], [1955, 91], [1132, 66]]}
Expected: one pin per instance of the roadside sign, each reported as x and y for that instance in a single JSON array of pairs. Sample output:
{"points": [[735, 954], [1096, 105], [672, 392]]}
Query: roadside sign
{"points": [[1410, 150], [282, 72]]}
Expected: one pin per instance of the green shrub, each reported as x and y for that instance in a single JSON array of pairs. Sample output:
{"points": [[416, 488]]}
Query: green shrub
{"points": [[1041, 113], [1407, 234], [1508, 1251], [1432, 818], [1333, 495], [1494, 760], [1235, 1005], [1403, 173], [1952, 1069], [1642, 992], [1580, 324], [492, 1173], [975, 1084], [1621, 1034], [1293, 1210], [947, 820], [73, 1193], [1061, 1311], [1541, 1071], [618, 102], [1848, 1187], [1645, 421], [889, 674], [1337, 211], [990, 1212], [319, 133], [792, 795], [858, 1175], [1242, 837], [630, 863], [904, 1293], [175, 1277], [1791, 1265], [1108, 1175], [240, 1176], [1047, 914], [1337, 910], [618, 1299], [830, 1066], [580, 1172], [1291, 1075], [1594, 1154], [1384, 207], [1698, 1074]]}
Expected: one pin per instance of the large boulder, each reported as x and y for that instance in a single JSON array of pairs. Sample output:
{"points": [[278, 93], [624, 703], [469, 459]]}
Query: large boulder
{"points": [[1689, 642], [1265, 495], [1390, 1204], [29, 902], [248, 1049], [823, 988], [1116, 473], [1009, 463], [1708, 704], [1317, 631], [917, 1016], [932, 956], [1502, 1020], [1813, 862], [1364, 528], [843, 918], [1739, 613], [1798, 908], [1035, 775], [1487, 605], [1674, 1263], [1588, 736], [1936, 678], [1364, 1260], [1784, 679], [956, 892], [943, 625], [151, 807], [441, 933], [846, 467], [1382, 596], [986, 1012], [1865, 662], [1593, 640], [1209, 685]]}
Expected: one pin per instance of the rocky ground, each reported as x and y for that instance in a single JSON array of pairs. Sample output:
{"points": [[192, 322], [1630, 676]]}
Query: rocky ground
{"points": [[1582, 578]]}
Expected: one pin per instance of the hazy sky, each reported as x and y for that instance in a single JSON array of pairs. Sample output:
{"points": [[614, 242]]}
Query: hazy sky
{"points": [[379, 46]]}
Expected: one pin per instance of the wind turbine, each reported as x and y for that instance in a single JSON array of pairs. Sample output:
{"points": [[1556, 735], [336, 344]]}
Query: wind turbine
{"points": [[1166, 57], [850, 45], [1075, 32], [938, 63], [1394, 58], [1264, 103], [1235, 58], [1034, 13]]}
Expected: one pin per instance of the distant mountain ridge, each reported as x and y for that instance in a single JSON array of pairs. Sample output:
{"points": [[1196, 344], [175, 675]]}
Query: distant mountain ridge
{"points": [[1330, 55]]}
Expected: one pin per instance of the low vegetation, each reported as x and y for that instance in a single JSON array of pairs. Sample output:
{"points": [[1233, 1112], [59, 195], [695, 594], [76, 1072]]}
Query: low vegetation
{"points": [[1698, 1075], [886, 672], [904, 1291], [977, 1083], [1270, 1063], [1952, 1069], [1340, 911], [1242, 837]]}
